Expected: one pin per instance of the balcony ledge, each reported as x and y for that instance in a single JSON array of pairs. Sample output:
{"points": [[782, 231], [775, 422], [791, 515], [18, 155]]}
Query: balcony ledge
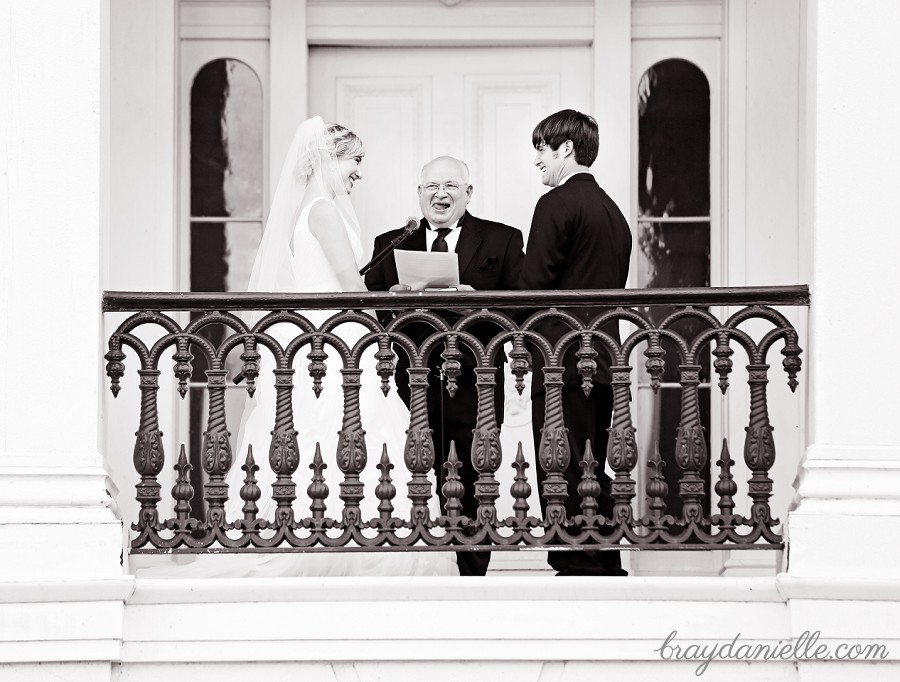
{"points": [[144, 591], [457, 589], [428, 620]]}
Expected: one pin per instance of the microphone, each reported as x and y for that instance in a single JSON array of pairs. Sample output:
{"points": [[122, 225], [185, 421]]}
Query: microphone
{"points": [[412, 224]]}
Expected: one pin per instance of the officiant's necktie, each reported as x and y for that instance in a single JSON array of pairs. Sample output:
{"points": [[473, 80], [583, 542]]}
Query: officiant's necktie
{"points": [[440, 242]]}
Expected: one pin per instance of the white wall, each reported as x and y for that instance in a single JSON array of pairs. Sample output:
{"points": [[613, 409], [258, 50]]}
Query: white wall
{"points": [[142, 154], [772, 127]]}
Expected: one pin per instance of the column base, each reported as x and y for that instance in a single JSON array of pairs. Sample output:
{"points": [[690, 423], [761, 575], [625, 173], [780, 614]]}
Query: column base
{"points": [[847, 515], [55, 519]]}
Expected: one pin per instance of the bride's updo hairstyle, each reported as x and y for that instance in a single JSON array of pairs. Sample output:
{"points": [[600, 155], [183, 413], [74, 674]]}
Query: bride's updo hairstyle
{"points": [[346, 142], [340, 143]]}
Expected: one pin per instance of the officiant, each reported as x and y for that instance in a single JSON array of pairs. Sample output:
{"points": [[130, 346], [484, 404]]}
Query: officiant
{"points": [[490, 258]]}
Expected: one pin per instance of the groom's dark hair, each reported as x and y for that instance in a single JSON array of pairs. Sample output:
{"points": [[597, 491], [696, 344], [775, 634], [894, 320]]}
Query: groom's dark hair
{"points": [[569, 124]]}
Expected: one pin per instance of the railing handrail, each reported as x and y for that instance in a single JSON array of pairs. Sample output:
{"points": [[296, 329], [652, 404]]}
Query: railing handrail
{"points": [[131, 301]]}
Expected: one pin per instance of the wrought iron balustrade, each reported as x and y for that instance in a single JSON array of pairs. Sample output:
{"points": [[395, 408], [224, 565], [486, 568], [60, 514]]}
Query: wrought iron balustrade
{"points": [[639, 518]]}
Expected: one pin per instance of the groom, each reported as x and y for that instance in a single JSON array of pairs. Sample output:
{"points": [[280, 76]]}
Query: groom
{"points": [[490, 257], [579, 239]]}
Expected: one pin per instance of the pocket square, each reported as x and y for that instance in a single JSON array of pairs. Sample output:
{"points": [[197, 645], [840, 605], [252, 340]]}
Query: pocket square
{"points": [[489, 264]]}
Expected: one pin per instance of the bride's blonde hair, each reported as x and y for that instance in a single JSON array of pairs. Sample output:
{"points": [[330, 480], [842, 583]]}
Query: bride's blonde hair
{"points": [[340, 142], [346, 142]]}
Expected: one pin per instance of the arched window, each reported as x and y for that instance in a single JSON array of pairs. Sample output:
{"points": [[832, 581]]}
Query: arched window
{"points": [[226, 207], [226, 175], [673, 231]]}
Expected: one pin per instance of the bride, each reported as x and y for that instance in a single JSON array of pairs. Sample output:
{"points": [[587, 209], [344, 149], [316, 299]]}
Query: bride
{"points": [[311, 243]]}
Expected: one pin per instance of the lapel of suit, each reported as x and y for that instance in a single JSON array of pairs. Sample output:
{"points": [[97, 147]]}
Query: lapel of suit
{"points": [[416, 241], [469, 240]]}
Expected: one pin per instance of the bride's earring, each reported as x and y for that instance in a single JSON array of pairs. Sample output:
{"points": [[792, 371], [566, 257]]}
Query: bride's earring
{"points": [[332, 167]]}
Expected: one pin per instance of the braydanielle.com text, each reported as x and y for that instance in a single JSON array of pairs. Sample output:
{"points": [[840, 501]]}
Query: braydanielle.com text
{"points": [[805, 648]]}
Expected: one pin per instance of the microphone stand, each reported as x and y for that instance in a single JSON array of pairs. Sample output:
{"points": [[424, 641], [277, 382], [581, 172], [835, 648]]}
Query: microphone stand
{"points": [[411, 226]]}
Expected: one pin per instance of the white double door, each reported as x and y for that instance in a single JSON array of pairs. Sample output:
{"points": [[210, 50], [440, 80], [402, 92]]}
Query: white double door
{"points": [[410, 105]]}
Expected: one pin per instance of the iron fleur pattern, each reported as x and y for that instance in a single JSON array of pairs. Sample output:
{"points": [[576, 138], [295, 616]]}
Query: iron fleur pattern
{"points": [[693, 528]]}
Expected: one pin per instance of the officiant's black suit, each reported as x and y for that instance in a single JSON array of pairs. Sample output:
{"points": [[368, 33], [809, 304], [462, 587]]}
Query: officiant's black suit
{"points": [[579, 239], [490, 258]]}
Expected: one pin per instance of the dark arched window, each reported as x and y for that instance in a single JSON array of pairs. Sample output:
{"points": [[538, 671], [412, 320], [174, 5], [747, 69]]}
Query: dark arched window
{"points": [[673, 175], [226, 159], [673, 228]]}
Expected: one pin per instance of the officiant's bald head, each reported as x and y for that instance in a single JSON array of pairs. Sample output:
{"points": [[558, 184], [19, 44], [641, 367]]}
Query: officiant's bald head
{"points": [[444, 191], [445, 164]]}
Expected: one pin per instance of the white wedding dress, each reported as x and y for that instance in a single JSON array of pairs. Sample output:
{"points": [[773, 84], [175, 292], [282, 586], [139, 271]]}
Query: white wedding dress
{"points": [[384, 419]]}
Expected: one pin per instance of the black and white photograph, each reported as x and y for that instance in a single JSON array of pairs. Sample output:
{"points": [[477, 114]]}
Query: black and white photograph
{"points": [[487, 340]]}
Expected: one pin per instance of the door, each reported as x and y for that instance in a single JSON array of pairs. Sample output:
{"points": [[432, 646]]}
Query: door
{"points": [[410, 105]]}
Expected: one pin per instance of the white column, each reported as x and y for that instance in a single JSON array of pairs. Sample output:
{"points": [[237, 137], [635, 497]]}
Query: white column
{"points": [[613, 99], [61, 586], [848, 518], [55, 520], [289, 56]]}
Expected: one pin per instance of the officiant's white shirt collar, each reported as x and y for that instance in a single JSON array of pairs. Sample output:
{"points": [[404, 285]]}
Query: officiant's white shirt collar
{"points": [[452, 238]]}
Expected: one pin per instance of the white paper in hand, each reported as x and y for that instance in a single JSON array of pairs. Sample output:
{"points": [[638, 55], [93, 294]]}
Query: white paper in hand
{"points": [[421, 269]]}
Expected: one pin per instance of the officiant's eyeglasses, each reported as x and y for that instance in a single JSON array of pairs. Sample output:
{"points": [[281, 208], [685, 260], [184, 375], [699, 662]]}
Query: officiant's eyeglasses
{"points": [[446, 186]]}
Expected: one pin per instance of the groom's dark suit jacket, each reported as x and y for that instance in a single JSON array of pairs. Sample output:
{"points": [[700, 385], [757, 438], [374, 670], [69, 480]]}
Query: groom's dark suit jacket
{"points": [[579, 239]]}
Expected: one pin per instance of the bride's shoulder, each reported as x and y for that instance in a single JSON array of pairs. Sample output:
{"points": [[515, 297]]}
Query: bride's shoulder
{"points": [[324, 215]]}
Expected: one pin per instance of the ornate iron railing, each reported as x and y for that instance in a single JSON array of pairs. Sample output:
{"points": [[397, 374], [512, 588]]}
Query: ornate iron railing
{"points": [[515, 316]]}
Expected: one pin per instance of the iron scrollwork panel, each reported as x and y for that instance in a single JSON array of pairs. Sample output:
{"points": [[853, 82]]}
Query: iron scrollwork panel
{"points": [[421, 529]]}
